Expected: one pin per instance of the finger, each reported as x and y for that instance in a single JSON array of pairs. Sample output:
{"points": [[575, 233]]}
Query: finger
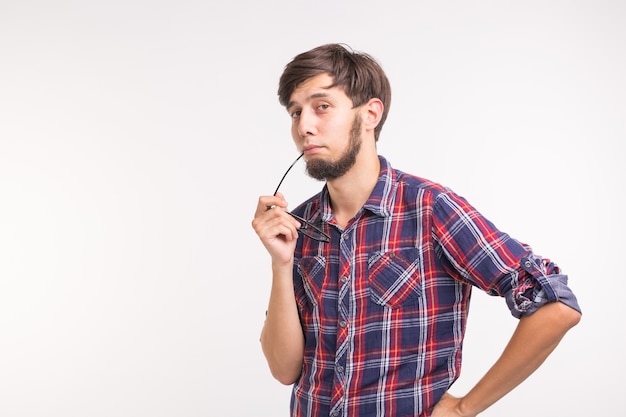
{"points": [[277, 227], [282, 197], [287, 232], [267, 202], [277, 221], [282, 202]]}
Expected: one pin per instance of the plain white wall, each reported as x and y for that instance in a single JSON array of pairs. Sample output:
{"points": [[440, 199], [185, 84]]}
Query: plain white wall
{"points": [[136, 136]]}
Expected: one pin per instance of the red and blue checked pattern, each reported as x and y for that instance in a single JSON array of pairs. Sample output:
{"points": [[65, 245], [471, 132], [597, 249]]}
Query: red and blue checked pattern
{"points": [[383, 306]]}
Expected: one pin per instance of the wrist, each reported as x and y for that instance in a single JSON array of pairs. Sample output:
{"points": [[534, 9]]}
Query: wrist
{"points": [[282, 266], [282, 271], [465, 408]]}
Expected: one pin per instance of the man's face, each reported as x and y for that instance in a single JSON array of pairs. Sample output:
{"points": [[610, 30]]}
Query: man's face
{"points": [[325, 126]]}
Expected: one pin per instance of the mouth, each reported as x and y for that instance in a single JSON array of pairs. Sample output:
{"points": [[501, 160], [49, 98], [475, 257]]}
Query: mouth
{"points": [[310, 149]]}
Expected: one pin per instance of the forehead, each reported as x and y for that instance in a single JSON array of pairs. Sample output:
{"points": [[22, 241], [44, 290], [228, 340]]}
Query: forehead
{"points": [[316, 87]]}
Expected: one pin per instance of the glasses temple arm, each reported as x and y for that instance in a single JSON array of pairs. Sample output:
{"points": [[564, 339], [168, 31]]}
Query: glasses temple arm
{"points": [[286, 172]]}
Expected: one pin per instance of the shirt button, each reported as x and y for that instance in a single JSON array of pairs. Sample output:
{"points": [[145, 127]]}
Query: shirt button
{"points": [[343, 323], [334, 413], [345, 236], [344, 279], [340, 369], [527, 264]]}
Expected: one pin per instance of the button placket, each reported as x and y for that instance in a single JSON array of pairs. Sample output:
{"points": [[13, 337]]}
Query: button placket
{"points": [[346, 255]]}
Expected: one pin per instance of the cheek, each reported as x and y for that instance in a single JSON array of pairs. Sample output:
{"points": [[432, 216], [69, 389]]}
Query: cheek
{"points": [[342, 122], [295, 135]]}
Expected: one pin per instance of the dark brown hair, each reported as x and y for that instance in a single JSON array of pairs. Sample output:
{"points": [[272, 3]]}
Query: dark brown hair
{"points": [[358, 74]]}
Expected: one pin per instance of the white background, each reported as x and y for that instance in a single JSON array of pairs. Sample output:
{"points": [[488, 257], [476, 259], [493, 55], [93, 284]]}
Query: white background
{"points": [[136, 136]]}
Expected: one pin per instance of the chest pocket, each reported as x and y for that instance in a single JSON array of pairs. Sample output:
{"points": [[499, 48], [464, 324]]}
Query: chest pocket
{"points": [[309, 278], [393, 278]]}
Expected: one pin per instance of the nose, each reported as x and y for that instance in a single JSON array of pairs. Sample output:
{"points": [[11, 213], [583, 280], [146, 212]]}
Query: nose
{"points": [[306, 124]]}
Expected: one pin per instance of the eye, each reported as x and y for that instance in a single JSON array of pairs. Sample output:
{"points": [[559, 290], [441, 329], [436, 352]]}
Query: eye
{"points": [[295, 114], [323, 107]]}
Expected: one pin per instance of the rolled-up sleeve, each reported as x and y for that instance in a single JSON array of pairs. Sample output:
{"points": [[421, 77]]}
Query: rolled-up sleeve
{"points": [[543, 283], [477, 252]]}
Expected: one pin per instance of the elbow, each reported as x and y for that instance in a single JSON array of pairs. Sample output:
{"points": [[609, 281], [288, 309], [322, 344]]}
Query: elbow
{"points": [[285, 367], [287, 373], [285, 378], [572, 316], [566, 315], [284, 354]]}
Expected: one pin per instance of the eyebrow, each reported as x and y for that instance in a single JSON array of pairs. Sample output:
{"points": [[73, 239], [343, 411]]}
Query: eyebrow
{"points": [[309, 98]]}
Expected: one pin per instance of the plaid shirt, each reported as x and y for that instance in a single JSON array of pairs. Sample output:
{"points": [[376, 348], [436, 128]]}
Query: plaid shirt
{"points": [[383, 306]]}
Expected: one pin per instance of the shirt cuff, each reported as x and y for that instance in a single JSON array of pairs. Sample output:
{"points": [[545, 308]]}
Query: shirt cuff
{"points": [[541, 288]]}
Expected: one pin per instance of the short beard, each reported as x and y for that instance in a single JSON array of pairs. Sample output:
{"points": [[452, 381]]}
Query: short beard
{"points": [[328, 170]]}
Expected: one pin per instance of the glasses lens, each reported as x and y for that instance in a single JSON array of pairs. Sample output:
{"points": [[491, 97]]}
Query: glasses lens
{"points": [[310, 230], [314, 234]]}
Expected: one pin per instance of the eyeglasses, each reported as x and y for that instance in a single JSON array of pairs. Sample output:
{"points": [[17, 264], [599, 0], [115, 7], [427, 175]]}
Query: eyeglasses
{"points": [[306, 228]]}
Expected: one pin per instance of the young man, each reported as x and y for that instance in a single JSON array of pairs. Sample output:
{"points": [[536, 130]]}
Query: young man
{"points": [[371, 322]]}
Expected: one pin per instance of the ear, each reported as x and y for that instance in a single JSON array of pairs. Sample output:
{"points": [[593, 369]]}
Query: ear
{"points": [[372, 113]]}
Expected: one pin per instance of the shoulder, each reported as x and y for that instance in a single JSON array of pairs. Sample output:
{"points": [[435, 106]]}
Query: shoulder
{"points": [[413, 189], [412, 181], [412, 185]]}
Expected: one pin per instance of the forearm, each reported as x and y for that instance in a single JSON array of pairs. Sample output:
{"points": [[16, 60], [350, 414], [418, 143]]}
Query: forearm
{"points": [[282, 339], [535, 337]]}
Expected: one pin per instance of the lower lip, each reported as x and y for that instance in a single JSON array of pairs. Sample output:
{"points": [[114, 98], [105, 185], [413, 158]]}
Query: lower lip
{"points": [[311, 150]]}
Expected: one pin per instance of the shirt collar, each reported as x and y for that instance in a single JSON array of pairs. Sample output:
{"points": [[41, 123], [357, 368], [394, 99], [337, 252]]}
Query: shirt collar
{"points": [[380, 200]]}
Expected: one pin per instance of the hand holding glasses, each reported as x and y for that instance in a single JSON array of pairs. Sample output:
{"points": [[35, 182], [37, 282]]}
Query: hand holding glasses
{"points": [[306, 228]]}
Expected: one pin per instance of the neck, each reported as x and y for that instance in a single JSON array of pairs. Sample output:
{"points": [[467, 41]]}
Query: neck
{"points": [[350, 192]]}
